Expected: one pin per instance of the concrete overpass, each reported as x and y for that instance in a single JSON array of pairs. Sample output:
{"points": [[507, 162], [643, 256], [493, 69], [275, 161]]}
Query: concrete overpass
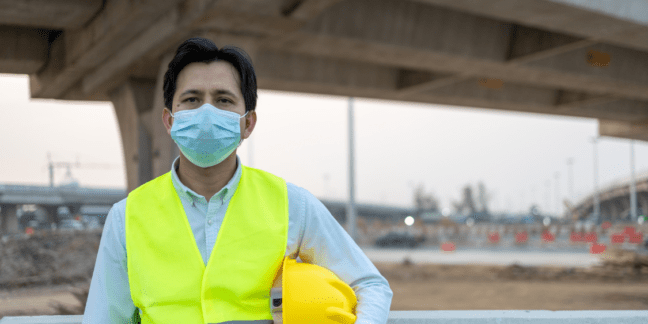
{"points": [[77, 199], [560, 57], [86, 201], [615, 200]]}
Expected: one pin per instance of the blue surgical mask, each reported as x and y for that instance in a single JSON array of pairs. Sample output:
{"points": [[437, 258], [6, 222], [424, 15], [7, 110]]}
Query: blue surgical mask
{"points": [[206, 135]]}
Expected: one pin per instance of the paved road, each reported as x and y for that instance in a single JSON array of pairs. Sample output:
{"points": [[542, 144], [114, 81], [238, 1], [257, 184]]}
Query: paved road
{"points": [[487, 257]]}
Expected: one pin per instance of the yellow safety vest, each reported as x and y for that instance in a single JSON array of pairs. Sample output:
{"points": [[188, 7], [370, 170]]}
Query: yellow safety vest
{"points": [[168, 279]]}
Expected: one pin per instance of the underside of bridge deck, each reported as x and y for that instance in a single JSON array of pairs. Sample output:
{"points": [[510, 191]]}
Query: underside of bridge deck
{"points": [[558, 57]]}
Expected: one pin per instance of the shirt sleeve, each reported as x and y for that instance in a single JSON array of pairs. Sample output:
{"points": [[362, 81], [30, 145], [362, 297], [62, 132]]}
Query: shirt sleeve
{"points": [[109, 300], [327, 244]]}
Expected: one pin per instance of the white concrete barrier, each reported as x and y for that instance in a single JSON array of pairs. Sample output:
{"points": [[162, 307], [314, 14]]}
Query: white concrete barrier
{"points": [[441, 317], [57, 319]]}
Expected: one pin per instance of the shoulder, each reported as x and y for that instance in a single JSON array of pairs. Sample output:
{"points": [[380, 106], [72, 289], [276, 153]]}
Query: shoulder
{"points": [[297, 191], [306, 199], [116, 219], [298, 197], [118, 209]]}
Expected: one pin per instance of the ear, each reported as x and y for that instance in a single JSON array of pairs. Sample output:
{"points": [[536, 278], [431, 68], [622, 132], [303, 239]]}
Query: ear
{"points": [[167, 120], [250, 122]]}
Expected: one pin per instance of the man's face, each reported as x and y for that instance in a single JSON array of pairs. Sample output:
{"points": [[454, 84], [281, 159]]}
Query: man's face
{"points": [[216, 83]]}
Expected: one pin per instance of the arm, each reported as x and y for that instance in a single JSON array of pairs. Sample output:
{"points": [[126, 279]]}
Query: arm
{"points": [[109, 299], [327, 244]]}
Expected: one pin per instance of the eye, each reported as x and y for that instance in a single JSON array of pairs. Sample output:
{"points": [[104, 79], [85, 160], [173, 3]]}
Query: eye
{"points": [[191, 100], [225, 100]]}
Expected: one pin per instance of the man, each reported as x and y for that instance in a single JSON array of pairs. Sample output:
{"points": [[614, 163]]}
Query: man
{"points": [[211, 215]]}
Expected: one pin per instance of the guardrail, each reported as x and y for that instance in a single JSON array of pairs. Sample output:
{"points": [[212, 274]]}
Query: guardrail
{"points": [[440, 317]]}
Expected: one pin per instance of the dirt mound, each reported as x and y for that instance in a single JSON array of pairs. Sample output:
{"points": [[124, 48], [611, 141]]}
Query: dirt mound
{"points": [[48, 257]]}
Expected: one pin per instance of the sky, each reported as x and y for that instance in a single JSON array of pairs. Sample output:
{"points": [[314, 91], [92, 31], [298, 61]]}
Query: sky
{"points": [[304, 139]]}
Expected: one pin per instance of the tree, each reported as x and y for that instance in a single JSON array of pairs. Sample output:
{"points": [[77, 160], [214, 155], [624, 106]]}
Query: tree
{"points": [[425, 202], [483, 197], [468, 202]]}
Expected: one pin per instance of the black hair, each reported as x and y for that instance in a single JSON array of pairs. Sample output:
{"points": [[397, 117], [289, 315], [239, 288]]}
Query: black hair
{"points": [[203, 50]]}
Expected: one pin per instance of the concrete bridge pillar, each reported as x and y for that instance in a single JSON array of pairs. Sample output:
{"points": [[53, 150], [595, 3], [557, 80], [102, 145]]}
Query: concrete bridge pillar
{"points": [[8, 219], [614, 210], [148, 149], [74, 209], [643, 202], [52, 213]]}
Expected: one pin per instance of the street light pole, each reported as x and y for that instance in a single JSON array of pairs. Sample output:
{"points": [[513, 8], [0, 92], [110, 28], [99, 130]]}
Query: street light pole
{"points": [[633, 185], [570, 163], [51, 169], [548, 195], [351, 207], [557, 176], [597, 203]]}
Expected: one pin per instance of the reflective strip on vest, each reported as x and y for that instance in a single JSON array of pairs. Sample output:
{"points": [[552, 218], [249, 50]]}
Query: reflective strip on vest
{"points": [[168, 279]]}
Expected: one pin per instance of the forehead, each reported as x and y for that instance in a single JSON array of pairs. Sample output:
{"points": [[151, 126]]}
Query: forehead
{"points": [[206, 77]]}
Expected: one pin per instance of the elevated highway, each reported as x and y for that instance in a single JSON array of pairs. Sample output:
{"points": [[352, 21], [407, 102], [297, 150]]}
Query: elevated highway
{"points": [[559, 57], [83, 200], [615, 200], [76, 199]]}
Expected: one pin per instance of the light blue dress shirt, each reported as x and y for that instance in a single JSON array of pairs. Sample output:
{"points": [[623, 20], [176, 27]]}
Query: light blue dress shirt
{"points": [[314, 236]]}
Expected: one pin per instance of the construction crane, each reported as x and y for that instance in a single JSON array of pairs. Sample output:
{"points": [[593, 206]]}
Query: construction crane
{"points": [[69, 165]]}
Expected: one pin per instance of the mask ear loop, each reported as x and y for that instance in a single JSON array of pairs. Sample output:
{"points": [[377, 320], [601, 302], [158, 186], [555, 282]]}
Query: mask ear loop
{"points": [[241, 140]]}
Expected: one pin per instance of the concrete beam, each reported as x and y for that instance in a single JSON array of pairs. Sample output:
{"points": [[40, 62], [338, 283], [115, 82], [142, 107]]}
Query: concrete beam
{"points": [[23, 50], [79, 51], [621, 110], [628, 10], [309, 9], [161, 37], [614, 24], [155, 34], [464, 44], [252, 17], [303, 73], [303, 10], [521, 49], [638, 131], [52, 14], [312, 74]]}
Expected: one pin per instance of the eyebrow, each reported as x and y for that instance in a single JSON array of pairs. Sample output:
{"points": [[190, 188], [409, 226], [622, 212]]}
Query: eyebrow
{"points": [[215, 92]]}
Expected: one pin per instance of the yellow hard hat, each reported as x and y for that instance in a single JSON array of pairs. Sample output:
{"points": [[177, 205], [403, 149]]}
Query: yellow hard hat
{"points": [[306, 293]]}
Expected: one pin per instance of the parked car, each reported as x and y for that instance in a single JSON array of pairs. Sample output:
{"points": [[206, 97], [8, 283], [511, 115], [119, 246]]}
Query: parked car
{"points": [[394, 239], [72, 224]]}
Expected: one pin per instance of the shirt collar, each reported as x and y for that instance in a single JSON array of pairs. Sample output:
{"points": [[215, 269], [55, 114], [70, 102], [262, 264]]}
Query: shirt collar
{"points": [[225, 193]]}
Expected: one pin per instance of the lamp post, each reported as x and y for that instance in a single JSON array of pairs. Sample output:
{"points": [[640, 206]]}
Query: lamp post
{"points": [[547, 195], [570, 164], [633, 185], [597, 203], [557, 177]]}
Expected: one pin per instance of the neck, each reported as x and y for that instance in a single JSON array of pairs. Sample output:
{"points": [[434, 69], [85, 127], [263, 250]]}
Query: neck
{"points": [[206, 181]]}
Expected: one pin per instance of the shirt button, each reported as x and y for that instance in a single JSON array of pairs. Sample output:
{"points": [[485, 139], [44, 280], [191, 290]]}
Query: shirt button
{"points": [[209, 222]]}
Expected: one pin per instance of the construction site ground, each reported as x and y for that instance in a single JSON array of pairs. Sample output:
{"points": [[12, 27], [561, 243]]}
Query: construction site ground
{"points": [[35, 280]]}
